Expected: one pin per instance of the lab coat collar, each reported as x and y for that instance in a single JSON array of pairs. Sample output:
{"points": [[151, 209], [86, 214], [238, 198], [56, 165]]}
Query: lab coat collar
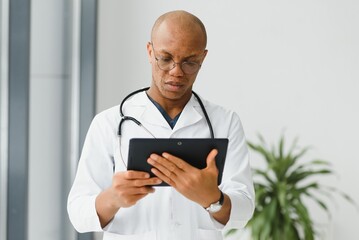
{"points": [[189, 115], [153, 116]]}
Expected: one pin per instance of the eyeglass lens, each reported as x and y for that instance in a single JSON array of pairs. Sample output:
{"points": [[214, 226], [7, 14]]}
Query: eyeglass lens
{"points": [[168, 64]]}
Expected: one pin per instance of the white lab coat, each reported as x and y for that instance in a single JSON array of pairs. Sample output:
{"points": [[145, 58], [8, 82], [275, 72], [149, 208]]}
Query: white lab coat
{"points": [[165, 214]]}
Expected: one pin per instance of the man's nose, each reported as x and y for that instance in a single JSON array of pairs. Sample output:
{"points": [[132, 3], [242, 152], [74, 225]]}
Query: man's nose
{"points": [[177, 69]]}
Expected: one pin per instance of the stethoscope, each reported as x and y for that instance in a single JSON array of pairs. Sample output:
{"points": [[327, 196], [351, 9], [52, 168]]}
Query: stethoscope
{"points": [[125, 118]]}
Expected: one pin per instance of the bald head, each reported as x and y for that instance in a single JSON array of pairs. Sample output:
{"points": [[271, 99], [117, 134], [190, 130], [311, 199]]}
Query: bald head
{"points": [[180, 22]]}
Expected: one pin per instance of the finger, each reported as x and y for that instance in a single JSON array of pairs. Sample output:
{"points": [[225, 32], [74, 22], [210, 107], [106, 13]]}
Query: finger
{"points": [[176, 161], [211, 159], [139, 190], [163, 177], [162, 165], [133, 199], [136, 175], [145, 182]]}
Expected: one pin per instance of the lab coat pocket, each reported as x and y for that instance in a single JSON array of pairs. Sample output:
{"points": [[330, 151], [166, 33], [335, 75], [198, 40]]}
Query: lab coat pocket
{"points": [[205, 234], [143, 236]]}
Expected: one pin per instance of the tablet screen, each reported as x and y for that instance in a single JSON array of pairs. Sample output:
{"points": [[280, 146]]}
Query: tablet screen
{"points": [[193, 151]]}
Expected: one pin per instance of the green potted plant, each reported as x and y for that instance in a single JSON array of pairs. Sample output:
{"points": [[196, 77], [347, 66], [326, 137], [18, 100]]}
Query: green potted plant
{"points": [[281, 189]]}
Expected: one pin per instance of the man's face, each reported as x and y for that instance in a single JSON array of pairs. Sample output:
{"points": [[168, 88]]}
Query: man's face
{"points": [[180, 46]]}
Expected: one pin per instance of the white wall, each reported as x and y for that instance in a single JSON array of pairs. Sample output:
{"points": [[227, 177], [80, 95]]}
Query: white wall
{"points": [[282, 65]]}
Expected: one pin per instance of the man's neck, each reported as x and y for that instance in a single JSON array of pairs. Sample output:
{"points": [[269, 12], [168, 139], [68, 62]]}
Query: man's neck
{"points": [[172, 106]]}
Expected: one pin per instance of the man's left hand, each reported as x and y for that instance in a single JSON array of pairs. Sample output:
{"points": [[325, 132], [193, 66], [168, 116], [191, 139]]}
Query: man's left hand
{"points": [[198, 185]]}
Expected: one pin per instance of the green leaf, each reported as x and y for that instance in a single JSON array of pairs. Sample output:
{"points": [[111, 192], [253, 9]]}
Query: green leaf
{"points": [[264, 174], [264, 152], [300, 154], [281, 146], [320, 203], [261, 139], [230, 232], [299, 176], [304, 220]]}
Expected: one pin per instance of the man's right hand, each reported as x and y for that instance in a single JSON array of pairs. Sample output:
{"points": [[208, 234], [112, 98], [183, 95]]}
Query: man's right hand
{"points": [[126, 189], [129, 187]]}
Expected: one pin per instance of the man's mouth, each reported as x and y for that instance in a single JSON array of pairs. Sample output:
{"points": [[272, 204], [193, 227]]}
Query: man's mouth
{"points": [[174, 86]]}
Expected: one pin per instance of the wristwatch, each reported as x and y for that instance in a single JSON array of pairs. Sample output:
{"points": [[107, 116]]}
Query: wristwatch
{"points": [[216, 206]]}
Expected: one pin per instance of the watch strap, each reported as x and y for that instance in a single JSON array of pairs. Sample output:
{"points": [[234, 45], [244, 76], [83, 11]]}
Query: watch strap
{"points": [[221, 199]]}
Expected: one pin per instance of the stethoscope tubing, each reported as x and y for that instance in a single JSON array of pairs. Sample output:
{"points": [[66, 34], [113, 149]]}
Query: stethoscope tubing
{"points": [[124, 117]]}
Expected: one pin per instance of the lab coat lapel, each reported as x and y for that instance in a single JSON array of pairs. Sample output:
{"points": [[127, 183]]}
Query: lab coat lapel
{"points": [[189, 115], [152, 115]]}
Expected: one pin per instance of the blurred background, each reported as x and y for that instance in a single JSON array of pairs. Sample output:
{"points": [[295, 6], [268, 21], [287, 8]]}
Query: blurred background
{"points": [[286, 67]]}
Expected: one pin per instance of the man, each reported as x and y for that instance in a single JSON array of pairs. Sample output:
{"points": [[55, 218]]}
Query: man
{"points": [[126, 204]]}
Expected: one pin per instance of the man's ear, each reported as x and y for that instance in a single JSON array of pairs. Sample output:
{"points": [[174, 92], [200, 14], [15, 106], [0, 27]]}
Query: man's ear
{"points": [[204, 55], [149, 51]]}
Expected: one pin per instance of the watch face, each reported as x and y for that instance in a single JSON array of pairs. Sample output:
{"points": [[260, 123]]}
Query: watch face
{"points": [[215, 207]]}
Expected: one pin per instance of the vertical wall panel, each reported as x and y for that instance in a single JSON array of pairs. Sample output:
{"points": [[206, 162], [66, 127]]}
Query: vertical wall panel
{"points": [[4, 35], [87, 74], [19, 48], [88, 65]]}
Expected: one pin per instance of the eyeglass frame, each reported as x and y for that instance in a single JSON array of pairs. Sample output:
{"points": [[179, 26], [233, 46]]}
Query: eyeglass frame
{"points": [[175, 63]]}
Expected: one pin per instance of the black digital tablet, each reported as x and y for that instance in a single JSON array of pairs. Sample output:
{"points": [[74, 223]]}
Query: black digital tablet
{"points": [[192, 150]]}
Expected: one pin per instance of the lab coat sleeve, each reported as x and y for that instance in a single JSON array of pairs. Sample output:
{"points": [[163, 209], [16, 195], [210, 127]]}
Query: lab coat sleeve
{"points": [[94, 174], [237, 179]]}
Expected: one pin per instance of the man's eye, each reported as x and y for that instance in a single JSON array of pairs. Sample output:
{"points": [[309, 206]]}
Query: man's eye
{"points": [[166, 60], [191, 64]]}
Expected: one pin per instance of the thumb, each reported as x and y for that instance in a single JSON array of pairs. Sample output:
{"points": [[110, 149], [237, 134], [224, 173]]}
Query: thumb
{"points": [[211, 159]]}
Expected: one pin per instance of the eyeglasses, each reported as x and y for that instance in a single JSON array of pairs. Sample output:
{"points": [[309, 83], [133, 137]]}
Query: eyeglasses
{"points": [[167, 64]]}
